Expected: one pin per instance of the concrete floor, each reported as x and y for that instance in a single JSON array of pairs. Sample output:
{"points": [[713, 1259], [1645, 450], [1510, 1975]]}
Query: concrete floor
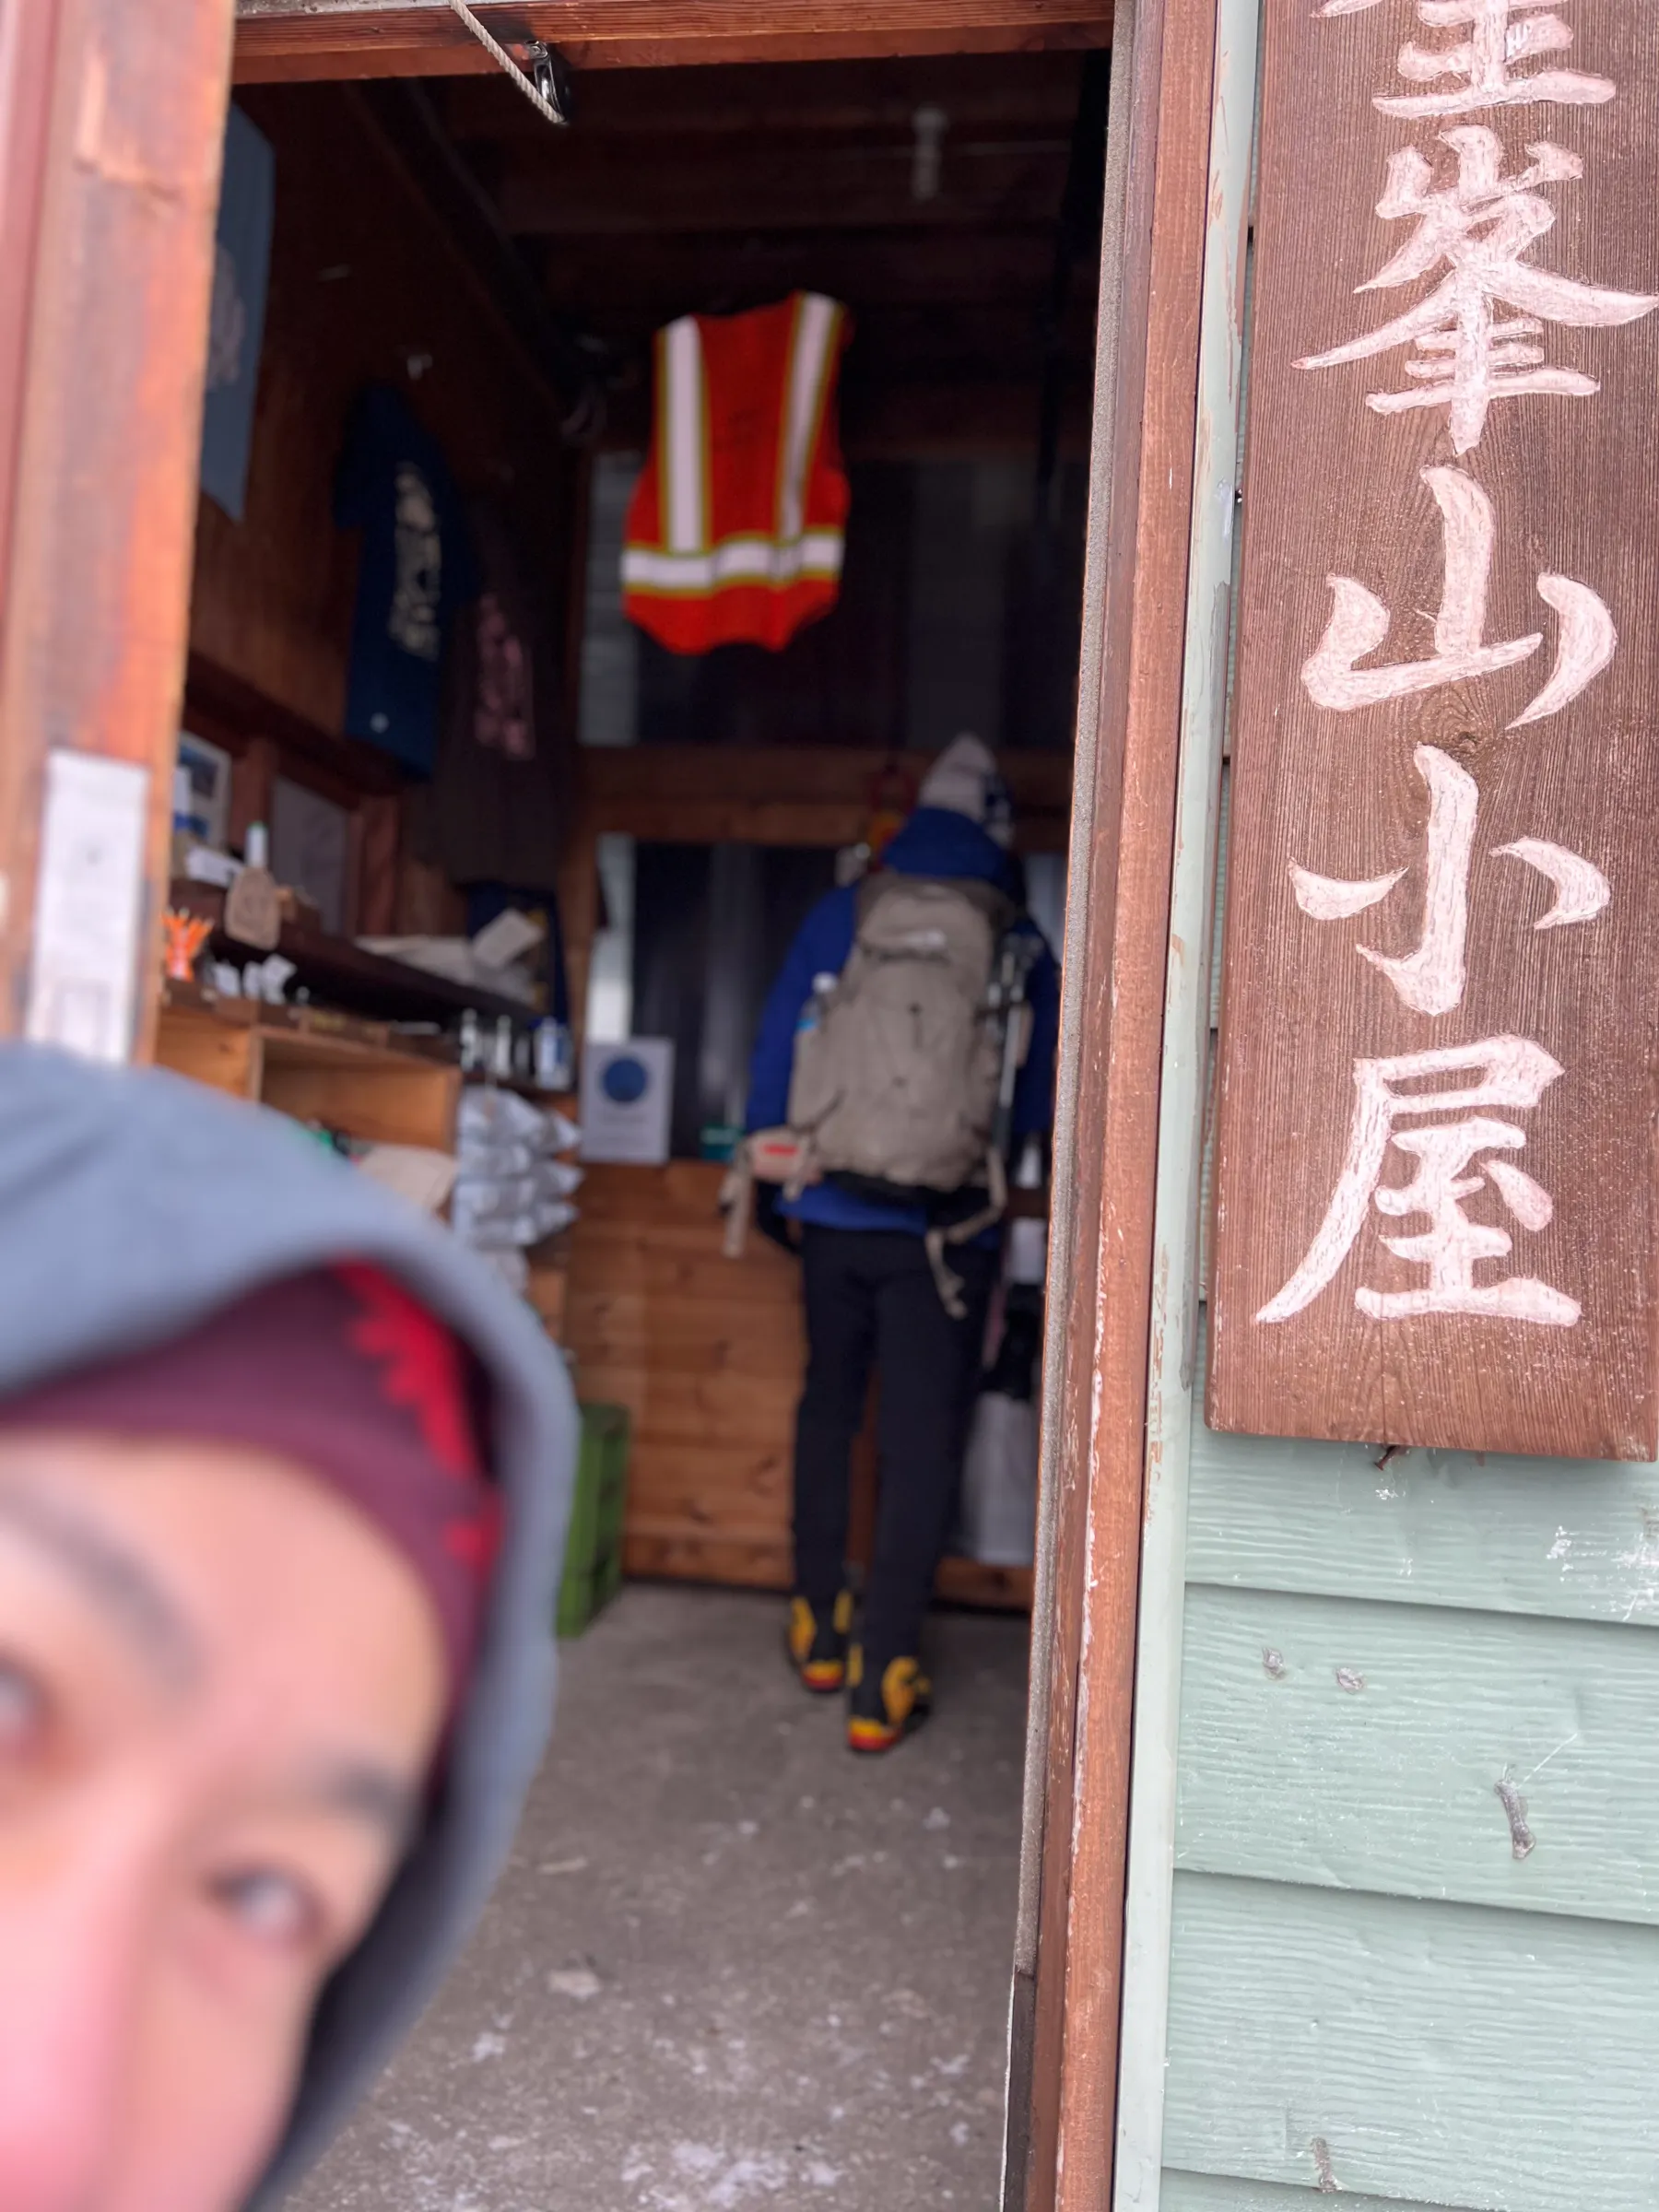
{"points": [[731, 1966]]}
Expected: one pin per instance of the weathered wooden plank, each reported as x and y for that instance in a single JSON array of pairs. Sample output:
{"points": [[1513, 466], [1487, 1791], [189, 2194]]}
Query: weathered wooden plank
{"points": [[284, 39], [1446, 2054], [1174, 1401], [1225, 2193], [1444, 752], [112, 126], [1111, 1193], [1479, 1757], [1577, 1539]]}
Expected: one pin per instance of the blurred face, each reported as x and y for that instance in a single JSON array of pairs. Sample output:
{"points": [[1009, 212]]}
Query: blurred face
{"points": [[220, 1689]]}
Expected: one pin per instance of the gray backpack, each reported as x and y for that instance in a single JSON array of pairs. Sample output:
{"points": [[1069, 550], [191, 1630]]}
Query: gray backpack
{"points": [[899, 1059]]}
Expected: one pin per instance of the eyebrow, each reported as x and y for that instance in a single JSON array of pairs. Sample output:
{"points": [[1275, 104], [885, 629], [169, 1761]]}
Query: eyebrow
{"points": [[115, 1579], [368, 1793]]}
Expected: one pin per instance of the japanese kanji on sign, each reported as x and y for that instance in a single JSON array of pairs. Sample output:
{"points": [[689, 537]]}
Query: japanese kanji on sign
{"points": [[1435, 1173]]}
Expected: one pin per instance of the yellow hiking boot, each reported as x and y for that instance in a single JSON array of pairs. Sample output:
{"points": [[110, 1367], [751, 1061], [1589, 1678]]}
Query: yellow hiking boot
{"points": [[884, 1708], [817, 1645]]}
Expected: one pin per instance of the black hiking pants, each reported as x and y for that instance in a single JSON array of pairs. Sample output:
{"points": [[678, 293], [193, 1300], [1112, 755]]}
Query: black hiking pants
{"points": [[871, 1297]]}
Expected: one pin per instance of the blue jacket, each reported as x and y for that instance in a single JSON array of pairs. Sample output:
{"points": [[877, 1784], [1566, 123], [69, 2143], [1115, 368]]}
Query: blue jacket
{"points": [[932, 842]]}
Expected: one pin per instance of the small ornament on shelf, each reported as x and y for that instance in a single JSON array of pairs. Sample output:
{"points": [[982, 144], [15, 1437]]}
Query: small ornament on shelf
{"points": [[182, 938]]}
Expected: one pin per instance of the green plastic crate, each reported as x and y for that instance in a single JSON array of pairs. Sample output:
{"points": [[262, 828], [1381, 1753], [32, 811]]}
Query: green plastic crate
{"points": [[592, 1568]]}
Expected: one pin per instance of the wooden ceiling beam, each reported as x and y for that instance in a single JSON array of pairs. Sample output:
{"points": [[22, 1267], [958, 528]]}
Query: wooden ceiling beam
{"points": [[927, 421], [797, 98], [913, 421], [807, 794], [292, 40], [766, 187], [871, 270]]}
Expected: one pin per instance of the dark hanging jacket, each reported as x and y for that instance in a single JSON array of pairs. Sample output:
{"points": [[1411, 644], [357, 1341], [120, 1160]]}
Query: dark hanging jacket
{"points": [[495, 810]]}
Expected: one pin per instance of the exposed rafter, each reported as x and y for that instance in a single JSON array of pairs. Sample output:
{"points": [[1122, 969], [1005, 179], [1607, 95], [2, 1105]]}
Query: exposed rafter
{"points": [[280, 39]]}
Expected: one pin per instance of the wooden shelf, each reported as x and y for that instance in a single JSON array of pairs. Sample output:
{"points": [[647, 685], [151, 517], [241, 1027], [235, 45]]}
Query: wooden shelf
{"points": [[341, 973], [342, 1079], [349, 976]]}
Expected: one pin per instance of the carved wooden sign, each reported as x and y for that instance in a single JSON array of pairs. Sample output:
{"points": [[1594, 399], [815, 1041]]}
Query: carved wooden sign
{"points": [[1435, 1168]]}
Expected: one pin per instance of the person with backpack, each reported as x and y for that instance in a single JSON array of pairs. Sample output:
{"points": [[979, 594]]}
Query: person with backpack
{"points": [[906, 1048]]}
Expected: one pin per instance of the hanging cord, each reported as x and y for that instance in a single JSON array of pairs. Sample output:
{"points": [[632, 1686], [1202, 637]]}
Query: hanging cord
{"points": [[532, 91]]}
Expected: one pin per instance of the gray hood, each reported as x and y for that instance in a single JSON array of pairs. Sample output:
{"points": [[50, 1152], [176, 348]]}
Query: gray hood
{"points": [[132, 1206]]}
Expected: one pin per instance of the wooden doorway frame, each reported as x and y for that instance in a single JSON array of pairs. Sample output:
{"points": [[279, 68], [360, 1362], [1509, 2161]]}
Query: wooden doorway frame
{"points": [[112, 122], [109, 180]]}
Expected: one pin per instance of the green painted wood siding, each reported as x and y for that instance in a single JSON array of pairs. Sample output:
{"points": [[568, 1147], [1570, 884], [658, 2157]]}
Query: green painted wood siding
{"points": [[1376, 1976], [1416, 1937], [1413, 1937], [1476, 1757], [1447, 2054], [1212, 2193], [1579, 1539]]}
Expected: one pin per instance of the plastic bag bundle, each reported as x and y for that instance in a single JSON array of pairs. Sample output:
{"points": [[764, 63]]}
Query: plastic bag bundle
{"points": [[512, 1190]]}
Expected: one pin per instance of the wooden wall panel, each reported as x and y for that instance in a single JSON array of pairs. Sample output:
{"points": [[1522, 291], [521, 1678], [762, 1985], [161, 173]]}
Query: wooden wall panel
{"points": [[28, 52], [1444, 2053], [364, 287], [1488, 540], [706, 1353]]}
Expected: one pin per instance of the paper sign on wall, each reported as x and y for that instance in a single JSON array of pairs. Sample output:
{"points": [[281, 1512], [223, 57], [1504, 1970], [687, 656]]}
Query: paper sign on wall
{"points": [[89, 905], [626, 1098]]}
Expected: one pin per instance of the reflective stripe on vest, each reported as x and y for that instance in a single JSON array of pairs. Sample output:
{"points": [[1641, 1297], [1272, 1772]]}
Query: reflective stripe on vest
{"points": [[715, 518]]}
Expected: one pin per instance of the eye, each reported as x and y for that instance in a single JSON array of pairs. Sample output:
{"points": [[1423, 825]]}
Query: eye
{"points": [[24, 1709], [273, 1909]]}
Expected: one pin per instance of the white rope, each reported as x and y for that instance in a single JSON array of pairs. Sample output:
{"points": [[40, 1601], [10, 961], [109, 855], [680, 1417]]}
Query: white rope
{"points": [[499, 54]]}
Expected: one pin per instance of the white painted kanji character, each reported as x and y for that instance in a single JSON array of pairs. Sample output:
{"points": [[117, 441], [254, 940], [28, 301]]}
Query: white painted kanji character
{"points": [[1431, 980], [1467, 355], [1487, 60], [1360, 623], [1453, 1161]]}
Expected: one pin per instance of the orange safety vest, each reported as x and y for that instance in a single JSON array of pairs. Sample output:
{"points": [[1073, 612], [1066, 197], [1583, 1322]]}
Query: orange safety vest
{"points": [[736, 528]]}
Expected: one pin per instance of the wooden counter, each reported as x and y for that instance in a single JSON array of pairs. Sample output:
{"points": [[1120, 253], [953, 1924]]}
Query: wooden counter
{"points": [[707, 1355]]}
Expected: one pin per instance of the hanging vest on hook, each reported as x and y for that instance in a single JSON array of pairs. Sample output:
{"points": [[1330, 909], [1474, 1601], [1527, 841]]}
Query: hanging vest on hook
{"points": [[736, 526]]}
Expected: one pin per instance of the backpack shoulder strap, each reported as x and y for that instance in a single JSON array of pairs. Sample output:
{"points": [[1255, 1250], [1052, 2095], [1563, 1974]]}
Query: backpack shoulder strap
{"points": [[998, 908], [871, 890]]}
